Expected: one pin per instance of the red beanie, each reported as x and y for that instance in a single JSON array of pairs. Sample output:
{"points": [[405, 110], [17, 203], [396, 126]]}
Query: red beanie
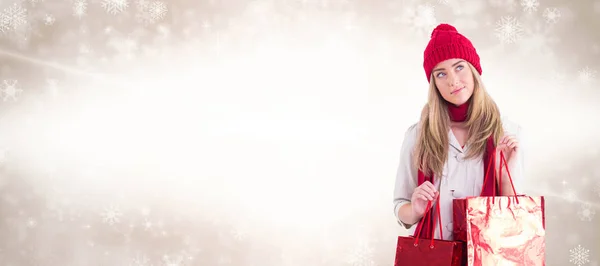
{"points": [[447, 43]]}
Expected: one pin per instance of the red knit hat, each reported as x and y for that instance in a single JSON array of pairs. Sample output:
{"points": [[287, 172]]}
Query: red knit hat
{"points": [[447, 43]]}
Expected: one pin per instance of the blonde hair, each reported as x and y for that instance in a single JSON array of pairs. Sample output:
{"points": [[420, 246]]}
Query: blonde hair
{"points": [[483, 121]]}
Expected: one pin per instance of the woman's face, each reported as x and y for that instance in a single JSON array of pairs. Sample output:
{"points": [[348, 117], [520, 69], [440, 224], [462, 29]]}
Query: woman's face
{"points": [[454, 80]]}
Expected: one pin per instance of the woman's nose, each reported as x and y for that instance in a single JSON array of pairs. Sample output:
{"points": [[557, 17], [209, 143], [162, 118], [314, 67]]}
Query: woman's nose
{"points": [[453, 81]]}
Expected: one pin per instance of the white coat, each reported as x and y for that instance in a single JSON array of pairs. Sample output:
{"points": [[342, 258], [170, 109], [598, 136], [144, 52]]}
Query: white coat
{"points": [[460, 178]]}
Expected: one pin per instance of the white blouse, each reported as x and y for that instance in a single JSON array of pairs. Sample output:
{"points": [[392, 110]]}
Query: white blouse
{"points": [[460, 178]]}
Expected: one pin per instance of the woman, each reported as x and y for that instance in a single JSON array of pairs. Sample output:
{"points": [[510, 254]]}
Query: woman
{"points": [[445, 155]]}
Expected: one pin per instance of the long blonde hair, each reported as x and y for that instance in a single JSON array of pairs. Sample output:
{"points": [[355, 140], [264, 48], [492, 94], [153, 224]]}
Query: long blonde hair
{"points": [[483, 120]]}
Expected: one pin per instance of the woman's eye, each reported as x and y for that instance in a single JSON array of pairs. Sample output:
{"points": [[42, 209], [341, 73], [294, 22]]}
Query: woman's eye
{"points": [[439, 75], [459, 67]]}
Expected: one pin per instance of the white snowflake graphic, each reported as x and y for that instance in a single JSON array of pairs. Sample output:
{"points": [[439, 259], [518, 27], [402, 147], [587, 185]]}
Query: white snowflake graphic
{"points": [[140, 260], [172, 260], [31, 223], [530, 6], [10, 90], [579, 255], [150, 12], [114, 7], [508, 29], [586, 212], [111, 215], [49, 20], [238, 234], [421, 20], [361, 255], [570, 195], [598, 188], [12, 17], [79, 8], [147, 224], [443, 2], [551, 14], [586, 75]]}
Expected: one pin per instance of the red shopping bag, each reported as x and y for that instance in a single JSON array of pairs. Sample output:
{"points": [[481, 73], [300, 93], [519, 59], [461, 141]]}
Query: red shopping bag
{"points": [[501, 230], [416, 251]]}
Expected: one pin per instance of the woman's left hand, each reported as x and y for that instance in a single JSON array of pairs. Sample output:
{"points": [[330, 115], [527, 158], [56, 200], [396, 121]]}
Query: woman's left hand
{"points": [[509, 145]]}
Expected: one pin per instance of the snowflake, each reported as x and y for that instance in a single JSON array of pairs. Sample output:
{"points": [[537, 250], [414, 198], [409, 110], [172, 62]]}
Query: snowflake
{"points": [[598, 188], [587, 74], [13, 17], [530, 6], [508, 29], [422, 19], [140, 260], [147, 224], [79, 8], [150, 12], [579, 255], [443, 2], [238, 234], [49, 20], [111, 215], [551, 15], [157, 10], [570, 195], [10, 90], [115, 6], [586, 212], [31, 223], [361, 255], [172, 260]]}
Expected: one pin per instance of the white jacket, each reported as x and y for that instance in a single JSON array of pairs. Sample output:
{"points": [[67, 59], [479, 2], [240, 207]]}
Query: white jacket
{"points": [[461, 178]]}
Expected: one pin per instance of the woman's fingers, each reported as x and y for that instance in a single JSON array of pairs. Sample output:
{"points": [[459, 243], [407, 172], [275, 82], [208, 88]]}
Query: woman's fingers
{"points": [[428, 191]]}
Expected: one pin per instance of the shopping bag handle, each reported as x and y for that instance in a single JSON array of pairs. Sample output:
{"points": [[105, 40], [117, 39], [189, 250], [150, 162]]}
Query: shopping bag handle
{"points": [[503, 162], [486, 177], [487, 174], [427, 215]]}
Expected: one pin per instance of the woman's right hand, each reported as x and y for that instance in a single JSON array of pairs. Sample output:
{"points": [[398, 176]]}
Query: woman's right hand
{"points": [[420, 197]]}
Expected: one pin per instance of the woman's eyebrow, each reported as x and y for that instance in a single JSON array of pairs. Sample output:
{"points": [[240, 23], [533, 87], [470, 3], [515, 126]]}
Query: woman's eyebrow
{"points": [[441, 68]]}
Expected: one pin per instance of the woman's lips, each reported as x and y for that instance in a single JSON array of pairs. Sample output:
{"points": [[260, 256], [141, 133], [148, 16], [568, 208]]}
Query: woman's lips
{"points": [[457, 90]]}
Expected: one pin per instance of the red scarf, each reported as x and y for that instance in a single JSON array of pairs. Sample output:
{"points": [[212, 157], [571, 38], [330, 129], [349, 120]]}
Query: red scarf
{"points": [[459, 114]]}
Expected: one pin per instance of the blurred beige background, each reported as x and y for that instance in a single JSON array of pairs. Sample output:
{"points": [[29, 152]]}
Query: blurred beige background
{"points": [[267, 132]]}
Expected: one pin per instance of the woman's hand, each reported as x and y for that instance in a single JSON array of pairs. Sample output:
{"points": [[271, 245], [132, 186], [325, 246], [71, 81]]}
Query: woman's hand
{"points": [[509, 145], [421, 196]]}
